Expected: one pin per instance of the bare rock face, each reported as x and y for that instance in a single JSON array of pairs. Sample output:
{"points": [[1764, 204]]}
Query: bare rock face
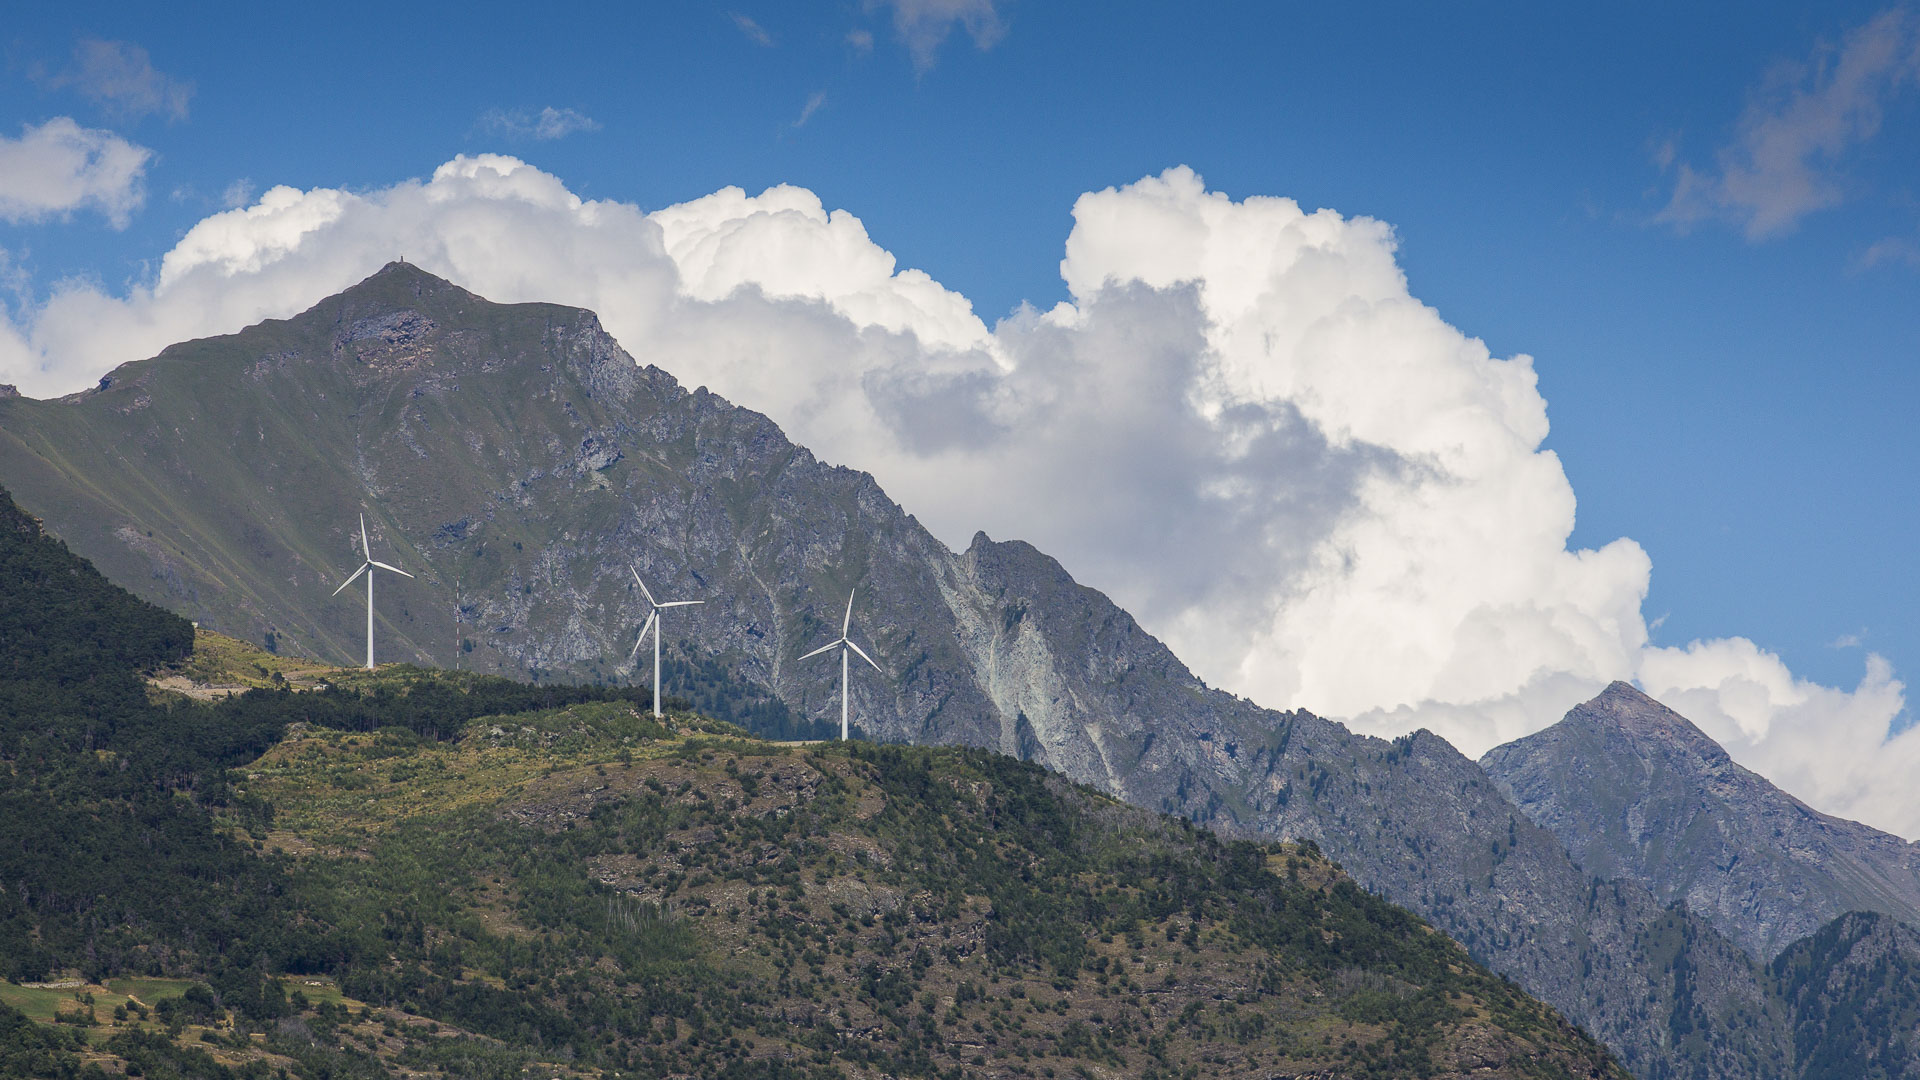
{"points": [[516, 459], [1419, 823], [1636, 791]]}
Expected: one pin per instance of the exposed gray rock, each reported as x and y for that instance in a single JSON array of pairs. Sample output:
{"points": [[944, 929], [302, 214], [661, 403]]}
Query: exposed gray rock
{"points": [[1636, 791]]}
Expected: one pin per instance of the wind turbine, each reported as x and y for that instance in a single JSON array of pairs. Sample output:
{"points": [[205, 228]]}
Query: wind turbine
{"points": [[367, 569], [653, 624], [846, 641]]}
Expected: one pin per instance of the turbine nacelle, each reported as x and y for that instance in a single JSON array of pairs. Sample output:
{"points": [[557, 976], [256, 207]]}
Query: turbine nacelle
{"points": [[848, 642], [366, 566]]}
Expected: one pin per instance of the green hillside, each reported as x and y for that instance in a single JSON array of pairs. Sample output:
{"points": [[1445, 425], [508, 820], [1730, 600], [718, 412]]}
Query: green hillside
{"points": [[1855, 991], [410, 873], [516, 459]]}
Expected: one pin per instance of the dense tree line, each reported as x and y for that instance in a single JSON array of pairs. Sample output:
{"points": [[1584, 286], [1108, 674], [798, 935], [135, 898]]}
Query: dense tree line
{"points": [[423, 702], [1865, 1026], [106, 843], [61, 622], [46, 1053], [704, 684]]}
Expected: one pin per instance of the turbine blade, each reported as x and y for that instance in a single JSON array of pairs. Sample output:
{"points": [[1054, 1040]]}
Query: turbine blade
{"points": [[682, 603], [637, 642], [395, 569], [643, 586], [844, 623], [863, 655], [354, 578], [821, 649], [364, 549]]}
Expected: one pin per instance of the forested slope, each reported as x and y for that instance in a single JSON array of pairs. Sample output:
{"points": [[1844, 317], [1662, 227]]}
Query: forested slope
{"points": [[409, 872]]}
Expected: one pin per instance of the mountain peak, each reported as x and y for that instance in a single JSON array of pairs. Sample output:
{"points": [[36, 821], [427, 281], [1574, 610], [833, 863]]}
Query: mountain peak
{"points": [[1636, 791], [400, 284], [401, 269], [1627, 709]]}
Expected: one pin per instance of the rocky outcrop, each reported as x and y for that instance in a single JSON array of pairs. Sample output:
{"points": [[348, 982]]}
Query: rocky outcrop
{"points": [[1636, 791]]}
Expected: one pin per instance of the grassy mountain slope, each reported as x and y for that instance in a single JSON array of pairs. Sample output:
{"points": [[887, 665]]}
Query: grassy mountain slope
{"points": [[408, 872], [718, 902], [514, 458]]}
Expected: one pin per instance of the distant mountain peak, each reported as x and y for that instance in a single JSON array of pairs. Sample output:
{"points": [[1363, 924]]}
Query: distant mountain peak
{"points": [[1627, 709], [1620, 688], [1635, 790], [397, 286], [400, 270]]}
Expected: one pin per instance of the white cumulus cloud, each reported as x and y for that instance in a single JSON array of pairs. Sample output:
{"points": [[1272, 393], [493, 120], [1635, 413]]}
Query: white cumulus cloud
{"points": [[59, 167], [1243, 426], [784, 243], [1828, 746]]}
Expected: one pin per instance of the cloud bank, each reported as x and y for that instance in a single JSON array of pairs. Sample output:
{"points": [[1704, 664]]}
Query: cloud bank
{"points": [[57, 168], [1242, 425]]}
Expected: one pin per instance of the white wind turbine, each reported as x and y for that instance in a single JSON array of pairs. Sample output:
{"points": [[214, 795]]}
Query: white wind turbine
{"points": [[653, 624], [843, 645], [367, 569]]}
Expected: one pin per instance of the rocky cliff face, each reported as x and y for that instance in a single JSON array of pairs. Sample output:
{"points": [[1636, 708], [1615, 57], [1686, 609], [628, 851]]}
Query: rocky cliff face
{"points": [[515, 459], [1419, 823], [1636, 791]]}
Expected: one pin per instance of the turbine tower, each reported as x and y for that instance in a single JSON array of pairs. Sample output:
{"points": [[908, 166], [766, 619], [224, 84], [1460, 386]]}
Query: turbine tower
{"points": [[653, 624], [843, 645], [367, 568]]}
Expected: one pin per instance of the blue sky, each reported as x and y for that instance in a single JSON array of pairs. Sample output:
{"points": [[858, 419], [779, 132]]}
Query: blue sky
{"points": [[1737, 401]]}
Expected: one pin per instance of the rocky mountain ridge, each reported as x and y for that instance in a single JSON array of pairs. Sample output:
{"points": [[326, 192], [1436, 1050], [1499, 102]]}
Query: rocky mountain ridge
{"points": [[1636, 791], [515, 458]]}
